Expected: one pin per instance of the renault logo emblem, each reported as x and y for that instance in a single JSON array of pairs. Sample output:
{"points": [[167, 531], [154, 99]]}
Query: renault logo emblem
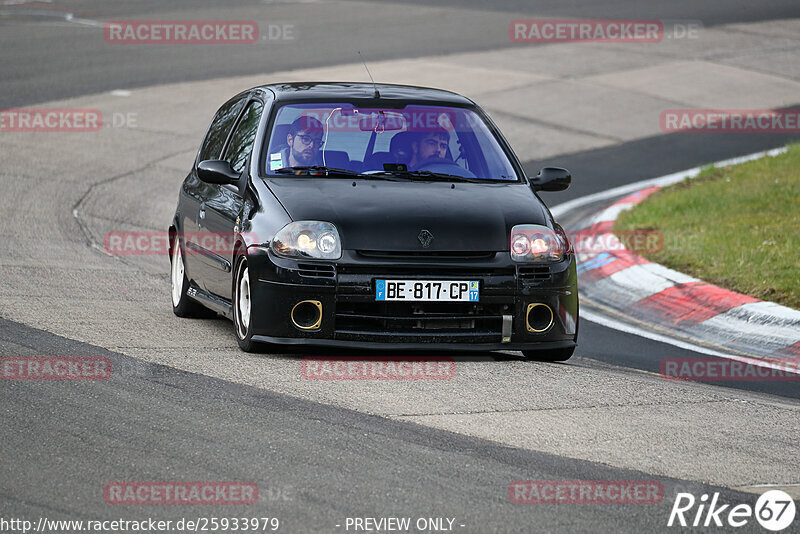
{"points": [[426, 238]]}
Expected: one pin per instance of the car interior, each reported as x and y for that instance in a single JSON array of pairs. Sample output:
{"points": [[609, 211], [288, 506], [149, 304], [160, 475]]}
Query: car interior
{"points": [[400, 146]]}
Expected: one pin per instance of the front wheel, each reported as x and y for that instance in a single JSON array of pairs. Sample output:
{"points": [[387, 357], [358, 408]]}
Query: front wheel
{"points": [[555, 355], [243, 308], [182, 305]]}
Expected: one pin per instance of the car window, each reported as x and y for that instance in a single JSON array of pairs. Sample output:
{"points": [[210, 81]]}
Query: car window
{"points": [[241, 143], [440, 139], [219, 129]]}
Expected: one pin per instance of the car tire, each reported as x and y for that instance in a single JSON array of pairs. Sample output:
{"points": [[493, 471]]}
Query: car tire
{"points": [[242, 307], [182, 305], [555, 355]]}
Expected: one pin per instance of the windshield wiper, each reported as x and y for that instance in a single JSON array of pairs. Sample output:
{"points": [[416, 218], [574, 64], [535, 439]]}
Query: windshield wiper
{"points": [[310, 170], [443, 177], [434, 176], [313, 170]]}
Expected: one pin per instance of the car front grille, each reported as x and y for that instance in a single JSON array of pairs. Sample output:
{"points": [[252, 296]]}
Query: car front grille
{"points": [[314, 270], [428, 255], [425, 270], [420, 321], [359, 317], [533, 273]]}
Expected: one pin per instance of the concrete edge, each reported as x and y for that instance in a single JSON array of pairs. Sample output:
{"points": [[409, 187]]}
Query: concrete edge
{"points": [[687, 308]]}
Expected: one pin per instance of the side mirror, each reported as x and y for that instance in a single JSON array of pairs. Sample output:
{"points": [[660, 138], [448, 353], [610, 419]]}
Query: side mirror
{"points": [[214, 171], [551, 179]]}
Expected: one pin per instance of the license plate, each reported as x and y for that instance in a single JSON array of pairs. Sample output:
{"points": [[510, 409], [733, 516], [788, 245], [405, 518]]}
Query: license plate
{"points": [[427, 290]]}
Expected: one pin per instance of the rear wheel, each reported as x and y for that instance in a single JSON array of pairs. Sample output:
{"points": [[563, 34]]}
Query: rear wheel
{"points": [[243, 308], [182, 305], [554, 355]]}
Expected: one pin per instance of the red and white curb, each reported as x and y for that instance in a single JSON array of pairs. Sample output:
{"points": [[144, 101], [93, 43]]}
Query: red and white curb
{"points": [[677, 303]]}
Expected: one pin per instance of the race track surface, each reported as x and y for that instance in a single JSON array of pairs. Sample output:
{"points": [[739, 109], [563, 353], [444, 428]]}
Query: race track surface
{"points": [[183, 403]]}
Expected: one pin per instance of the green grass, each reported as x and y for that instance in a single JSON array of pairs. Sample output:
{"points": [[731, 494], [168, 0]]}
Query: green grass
{"points": [[737, 227]]}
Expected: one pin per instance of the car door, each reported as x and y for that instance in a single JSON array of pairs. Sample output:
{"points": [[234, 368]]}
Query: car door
{"points": [[196, 192], [223, 206]]}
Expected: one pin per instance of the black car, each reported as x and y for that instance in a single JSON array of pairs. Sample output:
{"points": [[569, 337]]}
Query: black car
{"points": [[371, 216]]}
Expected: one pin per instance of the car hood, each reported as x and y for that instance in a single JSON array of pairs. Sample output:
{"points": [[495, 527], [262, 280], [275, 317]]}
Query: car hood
{"points": [[390, 216]]}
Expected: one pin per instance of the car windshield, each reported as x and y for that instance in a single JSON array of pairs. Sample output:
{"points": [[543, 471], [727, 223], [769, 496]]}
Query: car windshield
{"points": [[415, 141]]}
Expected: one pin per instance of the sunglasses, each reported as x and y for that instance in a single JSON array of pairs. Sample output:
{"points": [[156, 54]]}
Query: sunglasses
{"points": [[308, 140]]}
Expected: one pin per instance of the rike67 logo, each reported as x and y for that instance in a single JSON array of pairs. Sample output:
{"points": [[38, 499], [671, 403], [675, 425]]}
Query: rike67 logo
{"points": [[774, 510]]}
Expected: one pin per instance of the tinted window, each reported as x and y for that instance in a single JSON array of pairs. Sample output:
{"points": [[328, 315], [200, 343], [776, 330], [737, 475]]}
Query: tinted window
{"points": [[220, 126], [241, 144], [439, 139]]}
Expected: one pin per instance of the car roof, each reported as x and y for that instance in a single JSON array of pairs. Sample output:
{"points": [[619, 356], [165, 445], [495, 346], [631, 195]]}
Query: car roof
{"points": [[346, 91]]}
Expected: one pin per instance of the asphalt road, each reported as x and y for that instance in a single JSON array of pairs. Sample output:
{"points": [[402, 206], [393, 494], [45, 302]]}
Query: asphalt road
{"points": [[46, 59], [316, 463]]}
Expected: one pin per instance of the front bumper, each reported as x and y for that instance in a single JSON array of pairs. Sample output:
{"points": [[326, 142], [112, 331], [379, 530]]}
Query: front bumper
{"points": [[351, 317]]}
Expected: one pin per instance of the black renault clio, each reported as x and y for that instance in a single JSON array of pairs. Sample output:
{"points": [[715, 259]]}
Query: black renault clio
{"points": [[371, 216]]}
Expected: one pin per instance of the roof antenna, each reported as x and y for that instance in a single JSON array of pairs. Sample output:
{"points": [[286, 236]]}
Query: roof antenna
{"points": [[377, 94]]}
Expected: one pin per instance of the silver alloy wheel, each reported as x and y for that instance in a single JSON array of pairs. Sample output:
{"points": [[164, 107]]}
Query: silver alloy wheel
{"points": [[243, 302], [177, 274]]}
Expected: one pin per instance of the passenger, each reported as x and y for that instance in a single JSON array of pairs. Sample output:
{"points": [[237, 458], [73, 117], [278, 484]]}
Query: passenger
{"points": [[304, 139], [428, 146]]}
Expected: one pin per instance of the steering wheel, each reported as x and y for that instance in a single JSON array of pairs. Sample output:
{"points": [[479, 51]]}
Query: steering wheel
{"points": [[444, 166], [435, 161]]}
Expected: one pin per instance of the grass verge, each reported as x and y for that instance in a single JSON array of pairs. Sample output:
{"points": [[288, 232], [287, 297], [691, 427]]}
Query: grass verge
{"points": [[737, 227]]}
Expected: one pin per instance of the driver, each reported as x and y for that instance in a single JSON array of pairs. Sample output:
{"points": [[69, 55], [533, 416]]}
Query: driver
{"points": [[430, 145], [304, 139]]}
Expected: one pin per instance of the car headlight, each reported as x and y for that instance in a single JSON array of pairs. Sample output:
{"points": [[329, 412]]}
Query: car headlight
{"points": [[308, 239], [537, 243]]}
